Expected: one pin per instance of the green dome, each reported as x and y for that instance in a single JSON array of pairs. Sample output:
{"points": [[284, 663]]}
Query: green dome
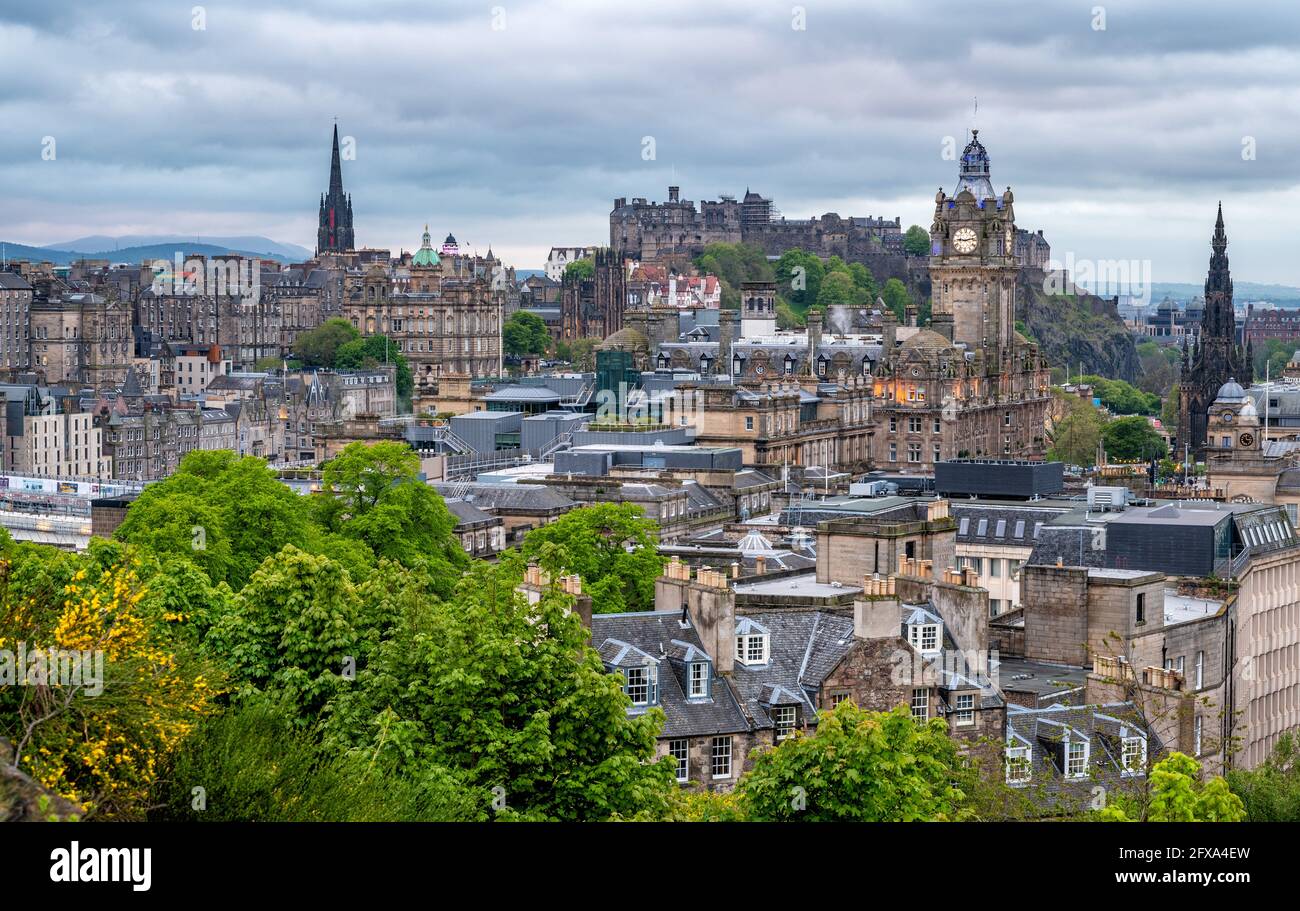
{"points": [[425, 256]]}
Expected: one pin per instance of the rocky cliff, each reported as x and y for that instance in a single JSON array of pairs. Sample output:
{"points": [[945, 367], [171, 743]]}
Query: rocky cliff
{"points": [[1075, 327]]}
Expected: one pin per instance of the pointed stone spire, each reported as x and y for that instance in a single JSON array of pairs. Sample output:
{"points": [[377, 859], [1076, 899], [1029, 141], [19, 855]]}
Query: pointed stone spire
{"points": [[336, 166], [1220, 240]]}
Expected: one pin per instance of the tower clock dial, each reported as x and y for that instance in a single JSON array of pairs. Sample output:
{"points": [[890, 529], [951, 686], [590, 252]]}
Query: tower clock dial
{"points": [[964, 241], [1247, 439]]}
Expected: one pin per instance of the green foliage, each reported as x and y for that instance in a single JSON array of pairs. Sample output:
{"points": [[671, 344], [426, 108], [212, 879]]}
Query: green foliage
{"points": [[1273, 354], [860, 766], [1176, 794], [611, 546], [373, 493], [1132, 439], [734, 264], [318, 347], [799, 278], [525, 333], [255, 765], [291, 630], [374, 351], [1122, 397], [580, 352], [896, 298], [1271, 792], [506, 696], [916, 241], [837, 289], [223, 513], [580, 270], [1169, 411], [1073, 436]]}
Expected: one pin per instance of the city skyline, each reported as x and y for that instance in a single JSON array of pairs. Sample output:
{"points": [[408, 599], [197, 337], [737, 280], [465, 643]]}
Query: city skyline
{"points": [[1117, 136]]}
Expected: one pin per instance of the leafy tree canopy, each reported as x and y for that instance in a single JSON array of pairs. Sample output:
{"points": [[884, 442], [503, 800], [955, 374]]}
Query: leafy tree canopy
{"points": [[611, 546]]}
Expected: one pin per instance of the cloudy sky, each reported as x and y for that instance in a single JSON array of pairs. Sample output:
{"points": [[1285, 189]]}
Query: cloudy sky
{"points": [[515, 123]]}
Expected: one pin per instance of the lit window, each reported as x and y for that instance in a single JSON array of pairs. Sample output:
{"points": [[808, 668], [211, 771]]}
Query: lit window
{"points": [[921, 705], [721, 757], [783, 715], [966, 708], [1018, 765], [680, 751]]}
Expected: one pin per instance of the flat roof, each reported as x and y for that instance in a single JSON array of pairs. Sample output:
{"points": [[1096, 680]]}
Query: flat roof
{"points": [[1182, 608], [802, 586]]}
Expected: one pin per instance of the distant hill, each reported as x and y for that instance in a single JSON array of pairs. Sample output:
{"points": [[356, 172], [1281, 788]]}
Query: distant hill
{"points": [[101, 242], [1183, 291], [139, 253]]}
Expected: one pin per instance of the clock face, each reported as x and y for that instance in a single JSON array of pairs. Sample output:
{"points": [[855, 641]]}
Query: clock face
{"points": [[964, 241], [1227, 417], [1247, 440]]}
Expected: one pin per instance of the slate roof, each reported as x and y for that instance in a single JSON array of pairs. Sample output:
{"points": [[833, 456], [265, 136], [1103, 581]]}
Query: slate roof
{"points": [[660, 636], [803, 649], [1001, 524], [11, 281], [467, 513], [1045, 729], [534, 497]]}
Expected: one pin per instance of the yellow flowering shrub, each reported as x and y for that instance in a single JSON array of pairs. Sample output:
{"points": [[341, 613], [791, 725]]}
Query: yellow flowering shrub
{"points": [[102, 746]]}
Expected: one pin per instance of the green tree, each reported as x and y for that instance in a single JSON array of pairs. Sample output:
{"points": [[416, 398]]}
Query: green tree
{"points": [[223, 513], [1133, 439], [896, 298], [291, 632], [525, 333], [580, 270], [373, 493], [1122, 397], [837, 289], [509, 696], [318, 347], [916, 242], [1169, 411], [734, 264], [374, 351], [799, 278], [580, 352], [1176, 794], [860, 766], [612, 546], [1271, 792], [1074, 434]]}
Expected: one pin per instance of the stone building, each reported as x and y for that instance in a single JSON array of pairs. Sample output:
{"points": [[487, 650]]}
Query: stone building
{"points": [[79, 337], [445, 316], [594, 307], [1217, 356], [15, 316]]}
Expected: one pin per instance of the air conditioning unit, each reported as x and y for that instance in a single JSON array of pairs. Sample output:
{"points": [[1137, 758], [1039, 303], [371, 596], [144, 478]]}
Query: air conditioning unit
{"points": [[1108, 497]]}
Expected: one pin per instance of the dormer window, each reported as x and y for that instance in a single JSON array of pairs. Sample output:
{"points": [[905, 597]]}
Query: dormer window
{"points": [[1134, 755], [924, 637], [641, 684], [784, 718], [1076, 759], [1019, 766], [698, 679], [752, 648]]}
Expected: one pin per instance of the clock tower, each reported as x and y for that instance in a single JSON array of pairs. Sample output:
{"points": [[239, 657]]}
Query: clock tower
{"points": [[972, 260]]}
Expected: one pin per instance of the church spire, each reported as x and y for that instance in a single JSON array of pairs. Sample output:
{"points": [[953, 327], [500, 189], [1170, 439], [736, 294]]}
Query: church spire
{"points": [[336, 166], [334, 233]]}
